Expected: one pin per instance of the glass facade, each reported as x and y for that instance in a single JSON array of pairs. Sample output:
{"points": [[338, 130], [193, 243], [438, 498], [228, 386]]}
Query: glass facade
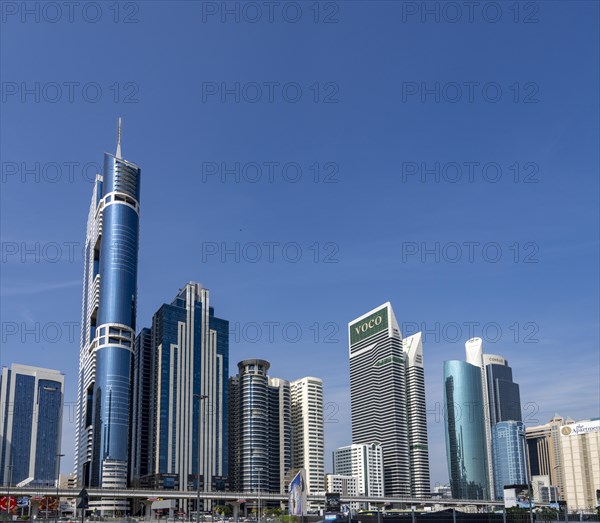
{"points": [[510, 466], [183, 362], [108, 325], [49, 407], [21, 426], [465, 431], [260, 428], [504, 395], [31, 401]]}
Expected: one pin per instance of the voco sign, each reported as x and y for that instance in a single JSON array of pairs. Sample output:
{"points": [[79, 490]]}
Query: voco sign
{"points": [[370, 325]]}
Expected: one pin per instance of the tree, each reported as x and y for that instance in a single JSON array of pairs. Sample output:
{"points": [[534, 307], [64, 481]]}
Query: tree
{"points": [[224, 510]]}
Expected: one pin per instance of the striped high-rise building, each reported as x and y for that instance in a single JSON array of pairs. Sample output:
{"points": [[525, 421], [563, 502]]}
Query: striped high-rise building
{"points": [[387, 395], [108, 328], [417, 416], [308, 447]]}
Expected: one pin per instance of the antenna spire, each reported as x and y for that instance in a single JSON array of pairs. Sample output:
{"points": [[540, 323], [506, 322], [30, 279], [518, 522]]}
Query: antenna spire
{"points": [[119, 138]]}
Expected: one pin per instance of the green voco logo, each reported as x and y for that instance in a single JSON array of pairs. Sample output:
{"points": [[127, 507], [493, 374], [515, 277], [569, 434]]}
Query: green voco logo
{"points": [[368, 326]]}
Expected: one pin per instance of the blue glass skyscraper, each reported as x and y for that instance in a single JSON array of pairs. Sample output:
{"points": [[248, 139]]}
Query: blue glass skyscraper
{"points": [[187, 376], [503, 392], [108, 325], [465, 431], [510, 466], [31, 403]]}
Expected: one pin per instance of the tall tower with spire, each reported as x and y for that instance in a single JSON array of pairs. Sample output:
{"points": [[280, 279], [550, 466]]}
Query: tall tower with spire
{"points": [[108, 327]]}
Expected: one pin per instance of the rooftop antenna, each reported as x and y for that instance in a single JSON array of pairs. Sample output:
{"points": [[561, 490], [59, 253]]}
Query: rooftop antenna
{"points": [[119, 138]]}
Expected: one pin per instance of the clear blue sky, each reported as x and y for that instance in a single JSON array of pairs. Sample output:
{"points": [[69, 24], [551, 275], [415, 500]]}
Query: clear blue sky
{"points": [[369, 223]]}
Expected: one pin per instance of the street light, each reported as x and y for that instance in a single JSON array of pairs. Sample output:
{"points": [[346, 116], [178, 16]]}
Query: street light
{"points": [[10, 468], [200, 398], [58, 456]]}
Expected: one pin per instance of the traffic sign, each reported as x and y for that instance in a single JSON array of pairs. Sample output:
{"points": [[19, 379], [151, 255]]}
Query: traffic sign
{"points": [[8, 503], [83, 499]]}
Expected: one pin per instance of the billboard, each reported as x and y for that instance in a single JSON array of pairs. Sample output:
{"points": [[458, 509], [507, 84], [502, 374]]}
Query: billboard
{"points": [[516, 496], [332, 502], [297, 492], [581, 427], [367, 327]]}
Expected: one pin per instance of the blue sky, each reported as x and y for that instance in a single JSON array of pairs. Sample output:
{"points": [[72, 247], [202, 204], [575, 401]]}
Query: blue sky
{"points": [[509, 251]]}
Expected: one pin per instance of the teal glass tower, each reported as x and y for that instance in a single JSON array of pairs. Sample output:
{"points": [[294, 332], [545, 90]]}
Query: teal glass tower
{"points": [[465, 431]]}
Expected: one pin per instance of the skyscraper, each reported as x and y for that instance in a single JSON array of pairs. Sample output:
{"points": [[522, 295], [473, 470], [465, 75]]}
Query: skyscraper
{"points": [[387, 398], [544, 451], [188, 435], [510, 456], [580, 448], [31, 404], [464, 419], [108, 327], [364, 462], [142, 414], [417, 416], [474, 350], [308, 447], [503, 393], [501, 401], [260, 432], [280, 419]]}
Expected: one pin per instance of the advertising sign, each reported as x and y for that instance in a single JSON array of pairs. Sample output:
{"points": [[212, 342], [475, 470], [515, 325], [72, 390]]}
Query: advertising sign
{"points": [[8, 503], [367, 327], [582, 427], [332, 502], [297, 492], [516, 496]]}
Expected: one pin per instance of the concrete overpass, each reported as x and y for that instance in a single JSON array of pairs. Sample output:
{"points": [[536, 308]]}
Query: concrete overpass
{"points": [[144, 494]]}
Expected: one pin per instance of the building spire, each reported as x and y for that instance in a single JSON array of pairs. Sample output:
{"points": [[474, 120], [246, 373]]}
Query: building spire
{"points": [[119, 138]]}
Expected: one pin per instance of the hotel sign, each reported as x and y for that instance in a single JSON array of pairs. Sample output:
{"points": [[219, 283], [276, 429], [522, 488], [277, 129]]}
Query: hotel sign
{"points": [[367, 327], [585, 427]]}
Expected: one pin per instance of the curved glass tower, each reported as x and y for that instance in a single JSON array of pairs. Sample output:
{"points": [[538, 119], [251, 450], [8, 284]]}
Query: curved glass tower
{"points": [[465, 431], [260, 429], [108, 325]]}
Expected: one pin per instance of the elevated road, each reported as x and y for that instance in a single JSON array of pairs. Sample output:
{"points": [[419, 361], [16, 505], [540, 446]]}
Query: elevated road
{"points": [[231, 496]]}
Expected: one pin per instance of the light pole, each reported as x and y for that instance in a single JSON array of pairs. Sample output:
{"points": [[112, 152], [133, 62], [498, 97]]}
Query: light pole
{"points": [[10, 468], [200, 397], [58, 456]]}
